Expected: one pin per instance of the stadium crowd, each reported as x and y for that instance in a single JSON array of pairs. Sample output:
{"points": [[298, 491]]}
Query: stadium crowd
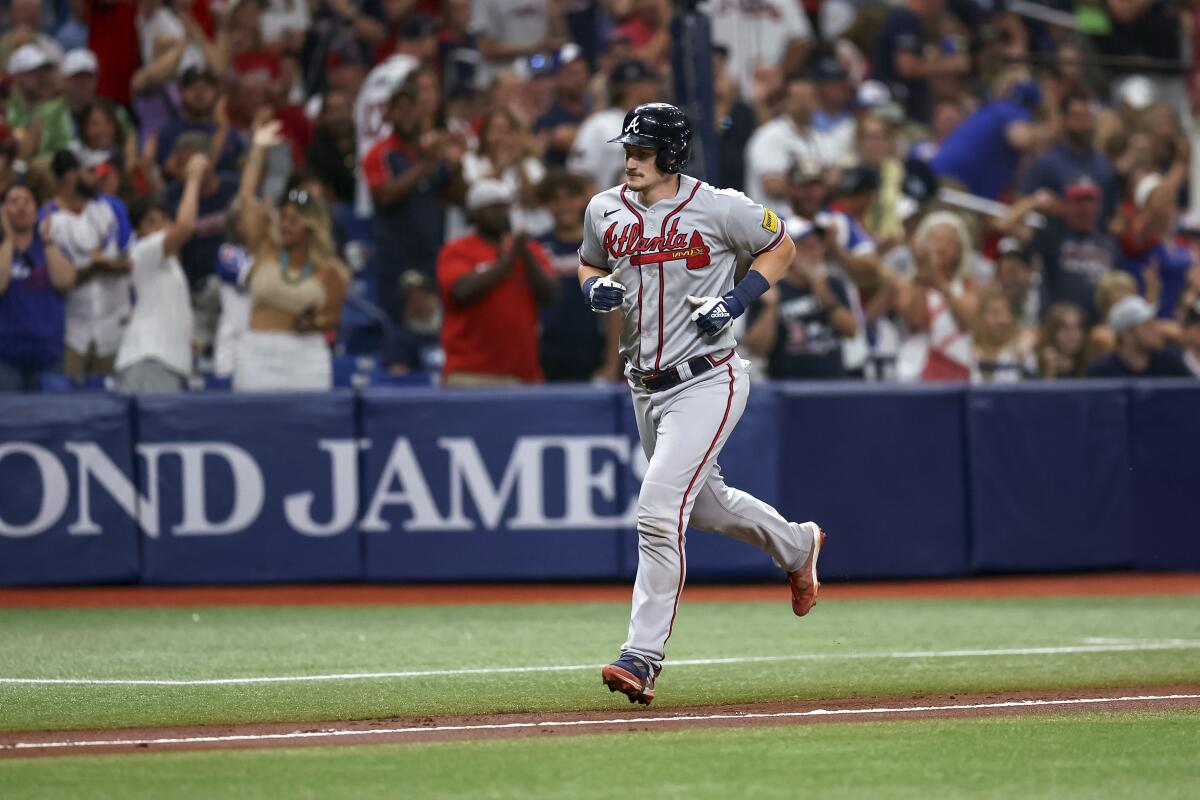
{"points": [[254, 192]]}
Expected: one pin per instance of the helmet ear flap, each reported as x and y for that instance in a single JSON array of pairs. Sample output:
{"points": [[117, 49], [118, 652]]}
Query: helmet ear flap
{"points": [[672, 158]]}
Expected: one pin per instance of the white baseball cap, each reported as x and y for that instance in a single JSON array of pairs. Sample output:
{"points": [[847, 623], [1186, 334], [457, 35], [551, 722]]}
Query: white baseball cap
{"points": [[487, 192], [27, 58], [1129, 312], [77, 61]]}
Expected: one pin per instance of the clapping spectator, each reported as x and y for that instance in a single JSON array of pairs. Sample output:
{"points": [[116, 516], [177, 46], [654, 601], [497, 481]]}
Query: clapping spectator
{"points": [[784, 141], [1061, 347], [415, 345], [202, 109], [156, 353], [906, 63], [998, 355], [800, 324], [35, 106], [492, 282], [24, 27], [506, 154], [568, 107], [297, 284], [79, 70], [1141, 350], [34, 273]]}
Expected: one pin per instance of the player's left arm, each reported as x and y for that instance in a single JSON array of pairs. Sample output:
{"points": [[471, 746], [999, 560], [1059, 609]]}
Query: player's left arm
{"points": [[757, 229]]}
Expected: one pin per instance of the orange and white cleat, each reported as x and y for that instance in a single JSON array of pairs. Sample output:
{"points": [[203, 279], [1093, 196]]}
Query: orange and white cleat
{"points": [[804, 582]]}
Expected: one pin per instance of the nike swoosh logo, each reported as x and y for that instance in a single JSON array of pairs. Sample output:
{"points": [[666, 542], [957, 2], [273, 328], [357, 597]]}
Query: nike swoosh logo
{"points": [[610, 213]]}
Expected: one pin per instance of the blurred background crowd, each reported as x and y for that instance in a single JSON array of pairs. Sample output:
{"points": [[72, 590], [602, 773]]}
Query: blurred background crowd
{"points": [[298, 194]]}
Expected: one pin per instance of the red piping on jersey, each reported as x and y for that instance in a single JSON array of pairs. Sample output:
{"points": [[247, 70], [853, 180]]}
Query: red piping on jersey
{"points": [[722, 361], [639, 355], [641, 224], [662, 229], [641, 233], [774, 242], [662, 232], [683, 505]]}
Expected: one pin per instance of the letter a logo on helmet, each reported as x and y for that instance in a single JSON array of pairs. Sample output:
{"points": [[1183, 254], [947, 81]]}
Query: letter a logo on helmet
{"points": [[664, 128]]}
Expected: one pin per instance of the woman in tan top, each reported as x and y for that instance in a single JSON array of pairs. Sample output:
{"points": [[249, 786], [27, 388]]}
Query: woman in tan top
{"points": [[297, 284]]}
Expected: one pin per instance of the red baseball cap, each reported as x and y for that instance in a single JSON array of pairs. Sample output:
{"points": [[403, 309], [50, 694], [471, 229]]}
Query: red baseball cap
{"points": [[1082, 188]]}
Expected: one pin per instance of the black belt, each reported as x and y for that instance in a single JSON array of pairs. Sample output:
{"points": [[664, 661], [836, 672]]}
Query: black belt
{"points": [[671, 377]]}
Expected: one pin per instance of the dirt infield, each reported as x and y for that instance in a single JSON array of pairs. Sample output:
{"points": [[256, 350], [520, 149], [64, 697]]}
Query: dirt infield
{"points": [[620, 719], [1122, 584]]}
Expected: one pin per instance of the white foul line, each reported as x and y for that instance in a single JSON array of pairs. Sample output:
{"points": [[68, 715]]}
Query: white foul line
{"points": [[818, 712], [1165, 644]]}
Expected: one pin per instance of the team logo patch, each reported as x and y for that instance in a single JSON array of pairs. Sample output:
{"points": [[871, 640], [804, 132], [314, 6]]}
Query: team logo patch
{"points": [[770, 221], [633, 126]]}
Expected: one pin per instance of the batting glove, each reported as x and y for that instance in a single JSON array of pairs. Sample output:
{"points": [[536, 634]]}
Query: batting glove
{"points": [[603, 294], [712, 314]]}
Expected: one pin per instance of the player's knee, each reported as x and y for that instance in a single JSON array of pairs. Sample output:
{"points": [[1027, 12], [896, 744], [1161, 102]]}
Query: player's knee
{"points": [[656, 521]]}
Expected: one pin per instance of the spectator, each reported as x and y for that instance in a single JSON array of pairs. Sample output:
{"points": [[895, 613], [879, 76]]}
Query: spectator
{"points": [[630, 83], [984, 151], [1074, 156], [34, 105], [735, 125], [415, 345], [78, 72], [284, 23], [940, 303], [297, 284], [24, 27], [34, 273], [784, 141], [799, 325], [412, 177], [1141, 350], [835, 115], [771, 33], [998, 355], [202, 110], [100, 140], [458, 49], [371, 124], [905, 63], [1112, 288], [576, 344], [568, 109], [1061, 351], [92, 231], [233, 274], [1191, 338], [331, 153], [646, 27], [511, 29], [1074, 250], [947, 115], [506, 154], [491, 283], [156, 353], [876, 146], [1016, 276]]}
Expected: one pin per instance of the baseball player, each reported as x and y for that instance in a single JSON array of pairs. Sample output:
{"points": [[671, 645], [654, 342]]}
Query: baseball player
{"points": [[663, 248]]}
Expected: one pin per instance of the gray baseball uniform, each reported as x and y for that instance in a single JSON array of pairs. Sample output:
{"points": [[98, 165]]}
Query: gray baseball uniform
{"points": [[686, 245]]}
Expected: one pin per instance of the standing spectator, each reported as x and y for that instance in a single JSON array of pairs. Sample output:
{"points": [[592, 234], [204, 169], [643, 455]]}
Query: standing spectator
{"points": [[297, 284], [113, 37], [506, 154], [25, 27], [576, 344], [568, 108], [1141, 350], [33, 275], [512, 29], [770, 33], [415, 345], [940, 303], [1061, 351], [233, 274], [34, 105], [78, 70], [371, 116], [93, 232], [735, 125], [983, 153], [905, 63], [458, 49], [1074, 156], [799, 325], [785, 141], [492, 282], [630, 83], [201, 111], [156, 353], [331, 153], [835, 117], [998, 355], [1191, 338], [101, 141], [411, 176], [947, 115]]}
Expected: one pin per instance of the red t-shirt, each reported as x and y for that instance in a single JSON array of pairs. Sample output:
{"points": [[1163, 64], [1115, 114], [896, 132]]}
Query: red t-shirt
{"points": [[496, 335], [112, 36]]}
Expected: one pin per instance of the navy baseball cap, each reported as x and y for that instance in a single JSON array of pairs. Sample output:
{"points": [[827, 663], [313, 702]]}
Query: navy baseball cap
{"points": [[858, 180], [828, 68], [629, 71]]}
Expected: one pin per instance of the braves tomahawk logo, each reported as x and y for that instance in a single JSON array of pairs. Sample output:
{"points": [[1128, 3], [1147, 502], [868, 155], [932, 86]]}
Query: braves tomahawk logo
{"points": [[670, 246]]}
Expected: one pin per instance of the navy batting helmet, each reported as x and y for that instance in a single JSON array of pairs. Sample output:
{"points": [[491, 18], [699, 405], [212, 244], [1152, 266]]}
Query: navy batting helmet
{"points": [[663, 127]]}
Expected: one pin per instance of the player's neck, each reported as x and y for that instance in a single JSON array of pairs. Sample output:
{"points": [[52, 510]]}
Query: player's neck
{"points": [[664, 190]]}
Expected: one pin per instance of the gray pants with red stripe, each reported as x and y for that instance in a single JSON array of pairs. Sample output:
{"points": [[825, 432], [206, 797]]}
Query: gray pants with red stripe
{"points": [[683, 430]]}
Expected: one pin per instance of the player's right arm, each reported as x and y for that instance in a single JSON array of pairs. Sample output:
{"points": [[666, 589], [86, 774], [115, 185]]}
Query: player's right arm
{"points": [[601, 291]]}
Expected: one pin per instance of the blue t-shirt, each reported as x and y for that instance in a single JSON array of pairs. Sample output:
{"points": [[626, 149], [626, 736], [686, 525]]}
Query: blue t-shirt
{"points": [[572, 344], [556, 115], [31, 312], [806, 346], [409, 232], [1073, 263], [1173, 263], [902, 32], [1061, 166], [977, 152], [230, 153]]}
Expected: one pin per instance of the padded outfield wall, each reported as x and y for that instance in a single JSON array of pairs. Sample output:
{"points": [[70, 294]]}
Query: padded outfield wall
{"points": [[541, 484]]}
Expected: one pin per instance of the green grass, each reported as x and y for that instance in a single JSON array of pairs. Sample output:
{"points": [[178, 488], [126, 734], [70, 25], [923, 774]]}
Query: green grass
{"points": [[254, 641], [1119, 755]]}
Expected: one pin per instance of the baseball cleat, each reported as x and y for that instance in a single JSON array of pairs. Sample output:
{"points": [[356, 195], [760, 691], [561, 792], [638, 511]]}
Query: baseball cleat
{"points": [[804, 582], [632, 676]]}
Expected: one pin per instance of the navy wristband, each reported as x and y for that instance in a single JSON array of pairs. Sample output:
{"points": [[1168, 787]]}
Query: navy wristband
{"points": [[587, 288], [753, 286]]}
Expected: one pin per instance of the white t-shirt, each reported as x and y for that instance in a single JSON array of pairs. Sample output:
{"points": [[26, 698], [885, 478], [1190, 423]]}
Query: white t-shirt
{"points": [[592, 155], [161, 325], [281, 16], [370, 110], [778, 146], [510, 22], [96, 310], [755, 32]]}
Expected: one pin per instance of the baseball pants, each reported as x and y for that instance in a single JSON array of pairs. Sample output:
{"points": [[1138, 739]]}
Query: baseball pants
{"points": [[683, 430]]}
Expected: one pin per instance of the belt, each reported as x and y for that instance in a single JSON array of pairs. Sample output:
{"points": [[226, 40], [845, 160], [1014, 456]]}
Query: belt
{"points": [[673, 376]]}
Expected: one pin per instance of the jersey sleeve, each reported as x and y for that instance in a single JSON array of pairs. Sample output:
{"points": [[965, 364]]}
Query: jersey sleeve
{"points": [[752, 228], [591, 252]]}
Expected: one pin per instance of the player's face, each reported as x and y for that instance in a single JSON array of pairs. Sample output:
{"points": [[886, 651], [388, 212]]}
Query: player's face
{"points": [[641, 173]]}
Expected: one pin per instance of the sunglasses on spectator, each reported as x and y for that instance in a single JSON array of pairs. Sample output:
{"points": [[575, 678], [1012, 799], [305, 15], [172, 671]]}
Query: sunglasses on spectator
{"points": [[299, 197]]}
